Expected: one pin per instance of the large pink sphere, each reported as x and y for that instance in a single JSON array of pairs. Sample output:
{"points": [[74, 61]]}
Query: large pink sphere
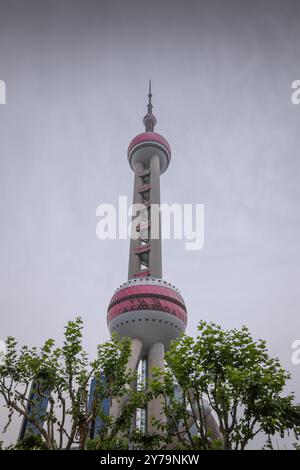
{"points": [[150, 309]]}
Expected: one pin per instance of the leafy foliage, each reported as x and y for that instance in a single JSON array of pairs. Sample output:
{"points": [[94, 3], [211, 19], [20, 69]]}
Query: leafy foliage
{"points": [[62, 375], [235, 376], [219, 390]]}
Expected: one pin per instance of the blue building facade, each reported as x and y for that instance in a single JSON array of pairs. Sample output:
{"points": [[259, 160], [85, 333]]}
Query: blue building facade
{"points": [[37, 407], [97, 425]]}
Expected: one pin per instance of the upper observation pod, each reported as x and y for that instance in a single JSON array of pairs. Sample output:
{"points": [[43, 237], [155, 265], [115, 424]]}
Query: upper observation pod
{"points": [[149, 143]]}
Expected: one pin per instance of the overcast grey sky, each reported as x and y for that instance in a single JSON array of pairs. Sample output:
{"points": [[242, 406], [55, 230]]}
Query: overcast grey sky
{"points": [[76, 75]]}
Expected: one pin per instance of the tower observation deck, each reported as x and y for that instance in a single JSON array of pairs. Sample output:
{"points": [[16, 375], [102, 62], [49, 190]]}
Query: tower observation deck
{"points": [[147, 308]]}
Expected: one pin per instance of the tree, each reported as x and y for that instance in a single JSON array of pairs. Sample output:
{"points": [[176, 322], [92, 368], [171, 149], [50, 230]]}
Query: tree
{"points": [[230, 374], [62, 376], [219, 390]]}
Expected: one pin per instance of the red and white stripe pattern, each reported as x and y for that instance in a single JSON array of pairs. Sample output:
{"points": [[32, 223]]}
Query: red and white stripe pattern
{"points": [[149, 137], [146, 296]]}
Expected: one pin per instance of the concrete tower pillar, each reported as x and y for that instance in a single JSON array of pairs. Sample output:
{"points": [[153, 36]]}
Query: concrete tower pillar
{"points": [[155, 407], [136, 348], [134, 264], [155, 258]]}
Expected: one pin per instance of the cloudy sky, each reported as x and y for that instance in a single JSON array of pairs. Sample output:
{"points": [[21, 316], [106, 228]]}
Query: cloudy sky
{"points": [[76, 74]]}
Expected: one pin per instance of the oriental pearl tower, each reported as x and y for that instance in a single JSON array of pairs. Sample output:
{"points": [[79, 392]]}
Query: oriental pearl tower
{"points": [[147, 308]]}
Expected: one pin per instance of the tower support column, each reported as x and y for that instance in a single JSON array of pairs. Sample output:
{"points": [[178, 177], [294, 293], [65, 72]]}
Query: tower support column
{"points": [[155, 261], [155, 407], [134, 265], [136, 349]]}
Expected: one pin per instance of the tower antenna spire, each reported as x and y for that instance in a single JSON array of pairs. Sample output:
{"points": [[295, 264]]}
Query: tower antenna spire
{"points": [[150, 106], [149, 119]]}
